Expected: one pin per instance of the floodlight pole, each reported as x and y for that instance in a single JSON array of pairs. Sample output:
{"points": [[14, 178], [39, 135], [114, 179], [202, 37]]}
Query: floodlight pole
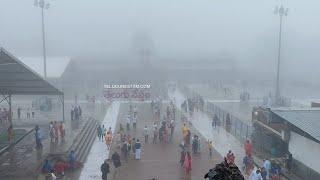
{"points": [[281, 12], [42, 4], [44, 45]]}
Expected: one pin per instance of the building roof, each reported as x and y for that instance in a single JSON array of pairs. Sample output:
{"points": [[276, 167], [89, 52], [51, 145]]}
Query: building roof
{"points": [[18, 79], [308, 120], [55, 65]]}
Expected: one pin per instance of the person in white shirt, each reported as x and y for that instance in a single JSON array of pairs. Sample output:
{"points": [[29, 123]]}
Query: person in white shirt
{"points": [[267, 166], [255, 175], [134, 122], [128, 122], [146, 134]]}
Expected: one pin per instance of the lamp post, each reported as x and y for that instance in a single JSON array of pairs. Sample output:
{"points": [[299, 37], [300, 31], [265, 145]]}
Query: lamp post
{"points": [[43, 5], [280, 11]]}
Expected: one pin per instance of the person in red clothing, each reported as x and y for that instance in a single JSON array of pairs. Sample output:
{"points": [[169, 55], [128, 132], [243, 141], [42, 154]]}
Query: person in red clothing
{"points": [[187, 163], [60, 167], [248, 148]]}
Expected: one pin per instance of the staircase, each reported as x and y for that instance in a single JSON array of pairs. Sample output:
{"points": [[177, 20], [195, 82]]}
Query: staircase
{"points": [[83, 142]]}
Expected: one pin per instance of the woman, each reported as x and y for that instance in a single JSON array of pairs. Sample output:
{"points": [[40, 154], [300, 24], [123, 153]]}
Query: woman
{"points": [[108, 139], [182, 156], [188, 138], [187, 163], [62, 129]]}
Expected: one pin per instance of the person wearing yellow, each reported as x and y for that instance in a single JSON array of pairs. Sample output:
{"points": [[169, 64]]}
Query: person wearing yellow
{"points": [[185, 130]]}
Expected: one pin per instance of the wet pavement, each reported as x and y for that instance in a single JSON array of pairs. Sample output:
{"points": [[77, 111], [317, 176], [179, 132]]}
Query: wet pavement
{"points": [[161, 161], [22, 160], [99, 151]]}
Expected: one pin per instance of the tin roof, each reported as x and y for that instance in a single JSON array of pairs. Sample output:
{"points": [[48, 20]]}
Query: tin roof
{"points": [[308, 120]]}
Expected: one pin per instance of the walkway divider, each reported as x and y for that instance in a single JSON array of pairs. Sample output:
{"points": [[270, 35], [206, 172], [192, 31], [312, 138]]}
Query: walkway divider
{"points": [[222, 140]]}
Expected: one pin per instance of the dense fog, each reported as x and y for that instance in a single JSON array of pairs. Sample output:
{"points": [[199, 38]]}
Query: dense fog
{"points": [[245, 31]]}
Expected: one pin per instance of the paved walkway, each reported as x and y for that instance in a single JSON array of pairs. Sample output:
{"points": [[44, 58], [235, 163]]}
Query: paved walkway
{"points": [[160, 161], [222, 140]]}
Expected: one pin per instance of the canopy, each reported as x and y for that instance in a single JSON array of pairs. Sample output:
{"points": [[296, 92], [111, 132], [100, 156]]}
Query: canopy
{"points": [[18, 79]]}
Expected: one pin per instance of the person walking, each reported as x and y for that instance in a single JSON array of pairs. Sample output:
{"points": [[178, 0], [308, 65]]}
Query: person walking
{"points": [[99, 131], [187, 163], [103, 130], [62, 130], [248, 147], [210, 146], [105, 169], [255, 175], [38, 137], [134, 122], [267, 166], [133, 145], [172, 126], [128, 122], [124, 150], [138, 150], [116, 163], [155, 135], [146, 134]]}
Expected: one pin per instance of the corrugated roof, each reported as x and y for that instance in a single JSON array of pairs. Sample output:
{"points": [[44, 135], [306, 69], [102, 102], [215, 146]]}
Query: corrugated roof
{"points": [[18, 79], [308, 120]]}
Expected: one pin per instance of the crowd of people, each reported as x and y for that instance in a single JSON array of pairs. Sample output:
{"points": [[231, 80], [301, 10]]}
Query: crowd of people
{"points": [[193, 104]]}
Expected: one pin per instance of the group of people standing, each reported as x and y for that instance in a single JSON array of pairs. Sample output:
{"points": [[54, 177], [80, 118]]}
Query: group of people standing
{"points": [[4, 116], [105, 135], [193, 104], [56, 130], [76, 112]]}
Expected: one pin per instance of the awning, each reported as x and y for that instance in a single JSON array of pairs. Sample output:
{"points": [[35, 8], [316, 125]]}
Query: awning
{"points": [[18, 79]]}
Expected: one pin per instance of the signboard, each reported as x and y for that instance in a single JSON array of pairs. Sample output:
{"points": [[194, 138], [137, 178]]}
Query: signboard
{"points": [[138, 92]]}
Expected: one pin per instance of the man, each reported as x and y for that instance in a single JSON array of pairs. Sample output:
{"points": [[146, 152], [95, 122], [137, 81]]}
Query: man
{"points": [[138, 150], [38, 137], [267, 166], [255, 175], [155, 135], [134, 122], [128, 122], [146, 134], [116, 163], [72, 159], [105, 169], [248, 148], [172, 126]]}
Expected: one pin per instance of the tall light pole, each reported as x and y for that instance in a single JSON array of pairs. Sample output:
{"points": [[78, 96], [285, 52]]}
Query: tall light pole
{"points": [[43, 5], [281, 11]]}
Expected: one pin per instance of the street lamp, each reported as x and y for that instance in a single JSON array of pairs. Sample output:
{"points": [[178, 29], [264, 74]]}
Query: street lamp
{"points": [[281, 11], [43, 5]]}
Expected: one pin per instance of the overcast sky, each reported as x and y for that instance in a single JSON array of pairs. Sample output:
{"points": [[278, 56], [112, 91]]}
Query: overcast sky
{"points": [[246, 29]]}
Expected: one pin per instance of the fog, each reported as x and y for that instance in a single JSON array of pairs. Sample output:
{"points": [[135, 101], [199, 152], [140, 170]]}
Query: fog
{"points": [[246, 30]]}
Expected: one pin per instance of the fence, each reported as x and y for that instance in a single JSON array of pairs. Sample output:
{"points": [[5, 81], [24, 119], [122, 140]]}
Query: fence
{"points": [[242, 131]]}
